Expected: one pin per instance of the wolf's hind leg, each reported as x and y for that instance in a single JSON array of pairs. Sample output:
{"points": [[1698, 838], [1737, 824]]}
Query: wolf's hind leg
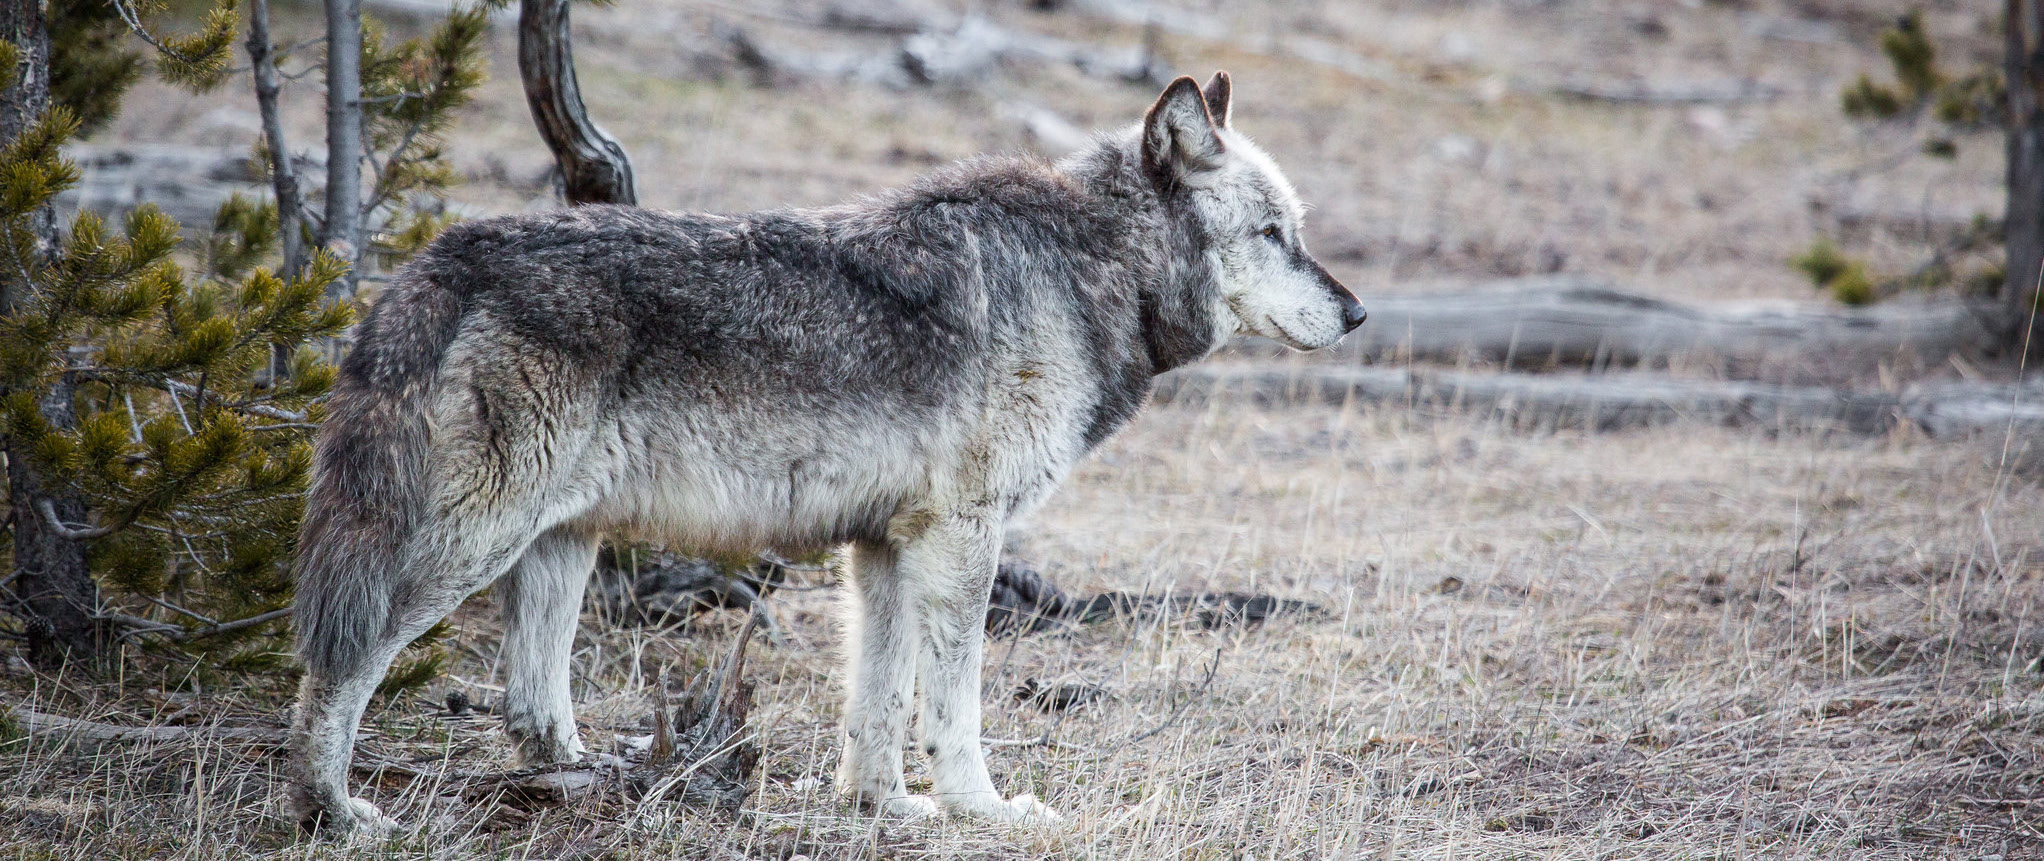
{"points": [[880, 685], [950, 569], [330, 705], [542, 599], [442, 564]]}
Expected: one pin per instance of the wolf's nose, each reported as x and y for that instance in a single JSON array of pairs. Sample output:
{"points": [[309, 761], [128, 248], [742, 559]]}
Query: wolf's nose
{"points": [[1352, 315]]}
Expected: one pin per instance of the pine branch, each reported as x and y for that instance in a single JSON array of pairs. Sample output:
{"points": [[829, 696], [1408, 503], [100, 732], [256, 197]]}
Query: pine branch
{"points": [[134, 22], [251, 406], [139, 627]]}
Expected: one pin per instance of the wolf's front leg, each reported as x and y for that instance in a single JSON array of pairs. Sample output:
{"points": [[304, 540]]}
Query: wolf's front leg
{"points": [[542, 597], [880, 685], [950, 568]]}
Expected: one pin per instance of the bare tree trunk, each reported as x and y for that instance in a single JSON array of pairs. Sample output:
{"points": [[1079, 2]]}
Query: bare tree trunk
{"points": [[343, 230], [52, 589], [593, 165], [2024, 236], [283, 177]]}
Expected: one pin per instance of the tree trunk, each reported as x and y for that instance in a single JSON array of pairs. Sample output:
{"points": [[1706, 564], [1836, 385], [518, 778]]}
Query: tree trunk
{"points": [[283, 175], [2024, 236], [594, 168], [53, 590], [343, 229]]}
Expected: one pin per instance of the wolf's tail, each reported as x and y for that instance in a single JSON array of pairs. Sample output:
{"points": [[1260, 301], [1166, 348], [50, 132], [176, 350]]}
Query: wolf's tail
{"points": [[369, 486]]}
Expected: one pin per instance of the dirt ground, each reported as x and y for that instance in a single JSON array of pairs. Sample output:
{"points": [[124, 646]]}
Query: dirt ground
{"points": [[1672, 643]]}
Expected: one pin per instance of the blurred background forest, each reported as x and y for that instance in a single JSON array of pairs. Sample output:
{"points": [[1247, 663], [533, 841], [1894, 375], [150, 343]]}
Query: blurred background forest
{"points": [[1684, 150]]}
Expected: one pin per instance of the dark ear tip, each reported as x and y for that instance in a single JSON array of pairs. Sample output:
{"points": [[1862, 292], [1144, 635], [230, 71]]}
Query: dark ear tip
{"points": [[1182, 82]]}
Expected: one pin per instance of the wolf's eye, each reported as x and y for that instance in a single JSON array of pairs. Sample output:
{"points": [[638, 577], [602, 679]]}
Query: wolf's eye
{"points": [[1271, 233]]}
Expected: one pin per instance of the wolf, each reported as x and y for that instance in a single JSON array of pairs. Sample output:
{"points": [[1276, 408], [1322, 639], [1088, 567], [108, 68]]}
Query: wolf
{"points": [[903, 375]]}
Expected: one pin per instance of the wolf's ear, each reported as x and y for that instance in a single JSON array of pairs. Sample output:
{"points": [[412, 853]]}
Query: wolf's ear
{"points": [[1219, 94], [1179, 136]]}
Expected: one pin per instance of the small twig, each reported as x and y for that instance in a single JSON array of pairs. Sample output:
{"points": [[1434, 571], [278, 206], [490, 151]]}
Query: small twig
{"points": [[139, 626], [171, 386], [134, 23], [67, 531], [177, 609], [294, 47], [1178, 712], [757, 604]]}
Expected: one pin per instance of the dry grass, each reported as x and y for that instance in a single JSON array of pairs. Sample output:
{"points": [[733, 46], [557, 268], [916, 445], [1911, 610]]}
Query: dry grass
{"points": [[1682, 643]]}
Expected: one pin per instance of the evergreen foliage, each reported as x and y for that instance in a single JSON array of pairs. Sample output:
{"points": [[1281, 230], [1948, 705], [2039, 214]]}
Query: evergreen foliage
{"points": [[194, 473], [1830, 270], [95, 68], [1922, 89], [195, 371], [410, 94]]}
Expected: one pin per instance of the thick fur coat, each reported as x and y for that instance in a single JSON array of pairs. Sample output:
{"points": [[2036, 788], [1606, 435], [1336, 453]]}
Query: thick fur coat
{"points": [[903, 375]]}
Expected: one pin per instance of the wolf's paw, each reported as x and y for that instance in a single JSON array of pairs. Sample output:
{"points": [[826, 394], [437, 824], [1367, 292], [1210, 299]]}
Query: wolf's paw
{"points": [[530, 749], [1023, 809], [354, 818], [1029, 811], [911, 807]]}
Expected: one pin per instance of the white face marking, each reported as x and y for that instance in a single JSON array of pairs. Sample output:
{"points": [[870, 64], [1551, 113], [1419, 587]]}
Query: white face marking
{"points": [[1253, 217]]}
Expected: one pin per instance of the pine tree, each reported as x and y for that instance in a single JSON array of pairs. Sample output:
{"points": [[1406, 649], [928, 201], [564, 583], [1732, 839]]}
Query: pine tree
{"points": [[157, 419], [129, 397], [1999, 258]]}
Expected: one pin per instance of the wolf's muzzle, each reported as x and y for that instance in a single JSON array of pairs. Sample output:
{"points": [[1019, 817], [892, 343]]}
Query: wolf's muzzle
{"points": [[1352, 314]]}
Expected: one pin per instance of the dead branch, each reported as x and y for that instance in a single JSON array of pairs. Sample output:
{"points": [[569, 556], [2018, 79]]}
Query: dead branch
{"points": [[1023, 601], [139, 627], [67, 531], [594, 167], [39, 723]]}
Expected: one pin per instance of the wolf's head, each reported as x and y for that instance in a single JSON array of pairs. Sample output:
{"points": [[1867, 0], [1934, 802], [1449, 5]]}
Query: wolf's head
{"points": [[1245, 218]]}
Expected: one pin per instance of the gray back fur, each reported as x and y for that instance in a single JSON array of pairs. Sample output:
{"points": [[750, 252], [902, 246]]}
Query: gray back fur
{"points": [[885, 310]]}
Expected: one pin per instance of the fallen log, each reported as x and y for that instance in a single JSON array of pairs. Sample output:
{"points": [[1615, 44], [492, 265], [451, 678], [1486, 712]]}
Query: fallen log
{"points": [[40, 724], [1676, 93], [1025, 601], [1573, 321], [1608, 402], [938, 52]]}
